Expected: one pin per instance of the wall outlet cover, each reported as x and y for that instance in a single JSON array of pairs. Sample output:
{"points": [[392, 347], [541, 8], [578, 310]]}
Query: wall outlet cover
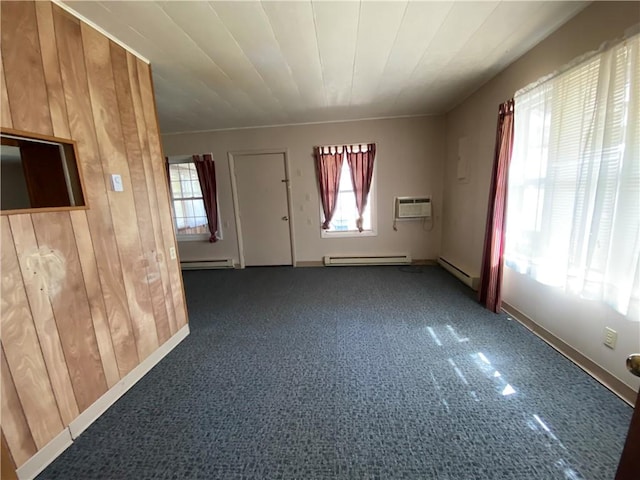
{"points": [[116, 183], [610, 337]]}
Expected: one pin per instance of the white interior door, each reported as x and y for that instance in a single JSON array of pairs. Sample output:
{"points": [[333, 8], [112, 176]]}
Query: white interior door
{"points": [[263, 208]]}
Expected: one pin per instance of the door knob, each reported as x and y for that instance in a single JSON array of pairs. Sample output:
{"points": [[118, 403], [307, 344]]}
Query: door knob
{"points": [[633, 364], [285, 218]]}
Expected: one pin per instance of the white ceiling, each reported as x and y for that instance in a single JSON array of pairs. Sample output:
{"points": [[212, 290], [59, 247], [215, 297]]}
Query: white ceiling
{"points": [[237, 64]]}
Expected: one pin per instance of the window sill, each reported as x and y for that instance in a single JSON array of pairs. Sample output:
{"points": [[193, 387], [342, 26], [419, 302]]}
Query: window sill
{"points": [[348, 234], [196, 237]]}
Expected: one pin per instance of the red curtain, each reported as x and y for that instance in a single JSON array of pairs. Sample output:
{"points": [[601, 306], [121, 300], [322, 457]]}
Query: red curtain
{"points": [[205, 166], [328, 166], [361, 166], [492, 260]]}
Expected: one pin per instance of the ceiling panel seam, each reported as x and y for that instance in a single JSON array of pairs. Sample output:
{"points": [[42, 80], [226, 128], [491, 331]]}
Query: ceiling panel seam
{"points": [[355, 52], [395, 40], [183, 68], [275, 37], [192, 41], [419, 62], [315, 28], [463, 47], [282, 109]]}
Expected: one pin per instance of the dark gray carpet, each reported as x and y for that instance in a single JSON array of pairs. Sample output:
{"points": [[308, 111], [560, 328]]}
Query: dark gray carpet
{"points": [[352, 373]]}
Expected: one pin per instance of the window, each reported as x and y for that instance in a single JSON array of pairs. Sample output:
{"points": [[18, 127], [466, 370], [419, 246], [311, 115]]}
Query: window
{"points": [[188, 206], [38, 172], [573, 217], [346, 214], [345, 217]]}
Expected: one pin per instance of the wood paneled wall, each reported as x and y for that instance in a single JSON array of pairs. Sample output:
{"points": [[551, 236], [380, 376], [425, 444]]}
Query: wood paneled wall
{"points": [[86, 294]]}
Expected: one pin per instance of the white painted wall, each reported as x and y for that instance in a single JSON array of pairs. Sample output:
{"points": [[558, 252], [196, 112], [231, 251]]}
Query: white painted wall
{"points": [[410, 161], [576, 322]]}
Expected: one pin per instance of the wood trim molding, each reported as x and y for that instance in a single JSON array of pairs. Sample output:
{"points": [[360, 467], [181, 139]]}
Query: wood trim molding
{"points": [[36, 136], [77, 15], [59, 140], [616, 386], [91, 414], [36, 464], [47, 454], [236, 202]]}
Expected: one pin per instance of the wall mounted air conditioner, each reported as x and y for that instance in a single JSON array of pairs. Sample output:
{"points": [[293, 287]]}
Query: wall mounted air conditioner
{"points": [[413, 207]]}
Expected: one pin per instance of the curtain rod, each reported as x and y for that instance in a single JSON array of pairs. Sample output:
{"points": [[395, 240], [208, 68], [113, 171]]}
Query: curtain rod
{"points": [[350, 144]]}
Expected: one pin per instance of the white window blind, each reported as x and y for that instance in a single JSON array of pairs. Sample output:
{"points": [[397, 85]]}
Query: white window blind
{"points": [[573, 217]]}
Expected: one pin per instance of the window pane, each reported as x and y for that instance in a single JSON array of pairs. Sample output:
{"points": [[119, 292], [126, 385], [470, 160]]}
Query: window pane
{"points": [[184, 181], [190, 216], [346, 214], [574, 184]]}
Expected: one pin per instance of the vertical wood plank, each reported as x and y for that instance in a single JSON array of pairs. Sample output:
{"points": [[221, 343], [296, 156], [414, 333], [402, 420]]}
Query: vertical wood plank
{"points": [[112, 153], [51, 68], [22, 350], [140, 194], [143, 138], [94, 294], [76, 90], [25, 243], [14, 423], [57, 250], [161, 183], [7, 464], [23, 67], [60, 120], [5, 111]]}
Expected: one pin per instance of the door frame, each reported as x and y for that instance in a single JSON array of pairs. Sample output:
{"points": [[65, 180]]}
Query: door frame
{"points": [[236, 204]]}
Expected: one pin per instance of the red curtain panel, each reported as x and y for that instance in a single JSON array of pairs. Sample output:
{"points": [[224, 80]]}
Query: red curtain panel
{"points": [[206, 168], [361, 166], [328, 166], [492, 260]]}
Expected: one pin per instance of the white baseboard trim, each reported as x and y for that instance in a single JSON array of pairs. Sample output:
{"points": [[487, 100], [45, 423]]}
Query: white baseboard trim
{"points": [[621, 389], [91, 414], [32, 467], [59, 444], [464, 277]]}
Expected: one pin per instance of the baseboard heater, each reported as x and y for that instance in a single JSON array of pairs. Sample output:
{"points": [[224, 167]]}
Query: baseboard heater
{"points": [[473, 282], [353, 260], [206, 264]]}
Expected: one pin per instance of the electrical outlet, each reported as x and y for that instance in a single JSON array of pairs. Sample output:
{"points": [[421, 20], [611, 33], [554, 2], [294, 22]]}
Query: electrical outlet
{"points": [[610, 337], [172, 253]]}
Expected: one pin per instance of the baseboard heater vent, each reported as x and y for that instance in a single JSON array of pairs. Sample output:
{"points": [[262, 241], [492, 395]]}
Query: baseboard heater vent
{"points": [[473, 282], [343, 260], [206, 264]]}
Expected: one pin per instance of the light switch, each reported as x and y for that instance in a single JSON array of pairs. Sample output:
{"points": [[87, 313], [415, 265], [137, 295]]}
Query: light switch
{"points": [[116, 183], [172, 253]]}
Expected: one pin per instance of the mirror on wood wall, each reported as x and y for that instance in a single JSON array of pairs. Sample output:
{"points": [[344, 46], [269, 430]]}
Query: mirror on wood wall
{"points": [[38, 172]]}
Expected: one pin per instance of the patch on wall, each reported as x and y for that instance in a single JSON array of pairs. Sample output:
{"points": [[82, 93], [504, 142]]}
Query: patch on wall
{"points": [[48, 268]]}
